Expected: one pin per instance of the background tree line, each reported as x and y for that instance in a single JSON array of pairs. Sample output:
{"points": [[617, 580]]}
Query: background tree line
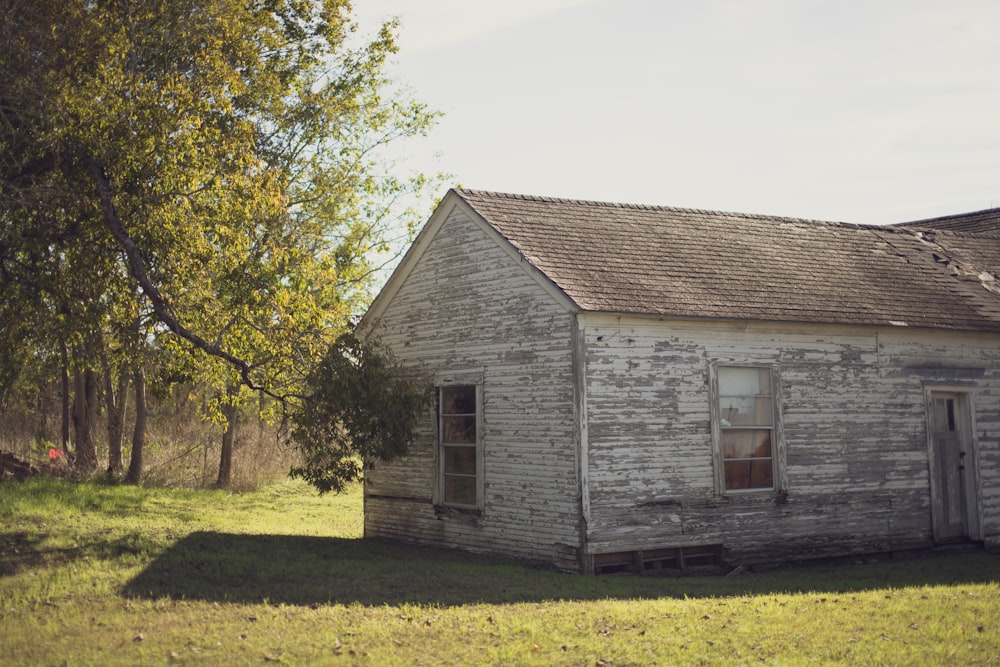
{"points": [[195, 194]]}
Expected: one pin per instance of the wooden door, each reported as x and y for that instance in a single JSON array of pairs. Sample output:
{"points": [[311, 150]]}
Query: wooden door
{"points": [[952, 474]]}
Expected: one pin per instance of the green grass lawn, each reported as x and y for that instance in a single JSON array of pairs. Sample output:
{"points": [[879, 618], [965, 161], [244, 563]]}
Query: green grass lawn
{"points": [[95, 574]]}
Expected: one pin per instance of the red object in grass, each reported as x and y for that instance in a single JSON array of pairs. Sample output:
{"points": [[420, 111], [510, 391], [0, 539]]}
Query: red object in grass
{"points": [[55, 454]]}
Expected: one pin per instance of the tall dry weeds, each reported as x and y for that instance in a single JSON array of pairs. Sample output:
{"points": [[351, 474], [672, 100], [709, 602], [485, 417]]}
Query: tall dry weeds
{"points": [[182, 447]]}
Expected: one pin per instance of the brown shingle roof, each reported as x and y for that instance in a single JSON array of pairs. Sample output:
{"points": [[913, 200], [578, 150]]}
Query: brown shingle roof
{"points": [[693, 263]]}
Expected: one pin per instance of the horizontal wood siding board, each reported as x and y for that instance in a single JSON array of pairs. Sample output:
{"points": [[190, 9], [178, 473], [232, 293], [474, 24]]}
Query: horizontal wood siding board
{"points": [[466, 304], [853, 421], [387, 518]]}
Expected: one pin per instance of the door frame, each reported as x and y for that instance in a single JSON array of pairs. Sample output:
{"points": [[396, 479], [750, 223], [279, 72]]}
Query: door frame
{"points": [[966, 421]]}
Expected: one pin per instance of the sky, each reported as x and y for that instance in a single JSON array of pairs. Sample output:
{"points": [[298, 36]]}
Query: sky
{"points": [[864, 111]]}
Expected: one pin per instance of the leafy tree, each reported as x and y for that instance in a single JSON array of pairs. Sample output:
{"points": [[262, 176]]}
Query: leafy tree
{"points": [[210, 166], [361, 410]]}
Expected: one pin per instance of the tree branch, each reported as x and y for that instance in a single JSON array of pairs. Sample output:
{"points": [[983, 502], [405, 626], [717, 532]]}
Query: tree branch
{"points": [[138, 270]]}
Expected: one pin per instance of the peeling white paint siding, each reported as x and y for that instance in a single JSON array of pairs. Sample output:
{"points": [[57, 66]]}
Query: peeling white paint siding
{"points": [[466, 304], [854, 432]]}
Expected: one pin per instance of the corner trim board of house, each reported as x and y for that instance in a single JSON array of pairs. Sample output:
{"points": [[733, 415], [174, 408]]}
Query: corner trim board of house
{"points": [[579, 361]]}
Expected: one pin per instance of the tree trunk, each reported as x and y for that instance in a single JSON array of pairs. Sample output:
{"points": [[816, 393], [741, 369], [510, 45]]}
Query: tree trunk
{"points": [[231, 413], [65, 400], [116, 401], [84, 416], [134, 474]]}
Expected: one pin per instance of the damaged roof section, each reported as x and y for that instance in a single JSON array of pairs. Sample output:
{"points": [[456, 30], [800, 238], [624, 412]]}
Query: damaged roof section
{"points": [[969, 244], [694, 263]]}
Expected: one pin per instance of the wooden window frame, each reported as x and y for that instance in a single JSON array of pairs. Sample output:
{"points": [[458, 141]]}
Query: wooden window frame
{"points": [[718, 429], [439, 492]]}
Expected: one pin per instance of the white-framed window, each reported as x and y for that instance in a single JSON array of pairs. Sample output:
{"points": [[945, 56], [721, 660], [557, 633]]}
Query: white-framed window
{"points": [[460, 457], [744, 429]]}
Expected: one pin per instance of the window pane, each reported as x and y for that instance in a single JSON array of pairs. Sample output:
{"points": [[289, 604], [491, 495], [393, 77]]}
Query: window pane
{"points": [[460, 490], [756, 474], [459, 440], [745, 411], [746, 443], [744, 381], [458, 400], [458, 429], [746, 401], [460, 460], [944, 414]]}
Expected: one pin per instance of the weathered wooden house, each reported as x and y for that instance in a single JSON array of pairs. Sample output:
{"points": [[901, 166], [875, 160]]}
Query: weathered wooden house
{"points": [[624, 387]]}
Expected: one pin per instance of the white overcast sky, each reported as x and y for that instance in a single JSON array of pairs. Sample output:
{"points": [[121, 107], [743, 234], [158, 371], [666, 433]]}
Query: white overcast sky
{"points": [[868, 111]]}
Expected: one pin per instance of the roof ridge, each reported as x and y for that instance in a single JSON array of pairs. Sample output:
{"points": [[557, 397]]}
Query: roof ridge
{"points": [[992, 211], [653, 207]]}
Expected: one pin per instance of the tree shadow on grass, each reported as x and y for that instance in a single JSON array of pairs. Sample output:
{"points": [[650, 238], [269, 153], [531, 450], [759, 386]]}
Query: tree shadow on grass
{"points": [[24, 551], [299, 570]]}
